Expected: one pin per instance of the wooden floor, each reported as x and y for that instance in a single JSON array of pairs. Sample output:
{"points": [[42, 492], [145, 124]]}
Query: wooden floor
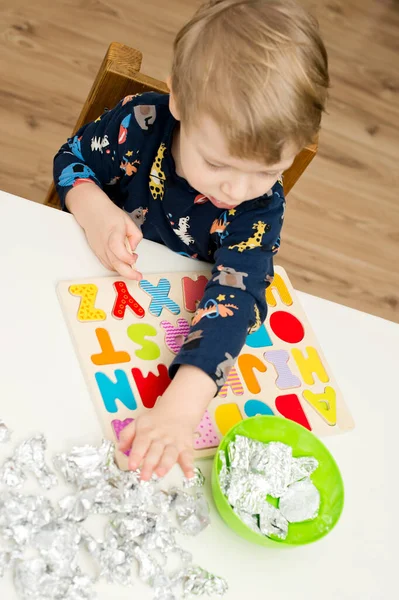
{"points": [[341, 235]]}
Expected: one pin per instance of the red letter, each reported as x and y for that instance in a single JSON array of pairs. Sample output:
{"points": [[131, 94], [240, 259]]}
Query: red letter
{"points": [[124, 299], [152, 386], [193, 291]]}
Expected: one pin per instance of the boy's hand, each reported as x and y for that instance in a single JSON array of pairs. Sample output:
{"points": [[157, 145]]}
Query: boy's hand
{"points": [[158, 439], [108, 242], [164, 435], [107, 228]]}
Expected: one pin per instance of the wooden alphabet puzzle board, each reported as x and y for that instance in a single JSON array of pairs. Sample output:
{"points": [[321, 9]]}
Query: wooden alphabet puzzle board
{"points": [[127, 333]]}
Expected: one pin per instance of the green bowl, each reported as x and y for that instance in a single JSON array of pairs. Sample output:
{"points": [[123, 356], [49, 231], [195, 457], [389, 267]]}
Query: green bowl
{"points": [[326, 478]]}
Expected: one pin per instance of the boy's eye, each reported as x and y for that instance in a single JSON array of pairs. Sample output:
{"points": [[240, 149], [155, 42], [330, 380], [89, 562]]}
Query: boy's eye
{"points": [[212, 166]]}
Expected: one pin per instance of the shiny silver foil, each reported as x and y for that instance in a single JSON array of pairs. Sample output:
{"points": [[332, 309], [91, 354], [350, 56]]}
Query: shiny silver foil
{"points": [[37, 580], [224, 473], [58, 543], [240, 452], [272, 522], [301, 502], [192, 512], [253, 470], [139, 536], [197, 480], [130, 527], [30, 456], [278, 470], [5, 433], [149, 568], [22, 516], [85, 466], [250, 521], [198, 582], [302, 467], [114, 562], [11, 474], [247, 491], [75, 507]]}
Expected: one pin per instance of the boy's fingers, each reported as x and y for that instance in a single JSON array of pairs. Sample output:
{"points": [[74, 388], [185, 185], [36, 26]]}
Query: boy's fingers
{"points": [[139, 449], [168, 459], [152, 459], [127, 436], [116, 244], [186, 461], [126, 270]]}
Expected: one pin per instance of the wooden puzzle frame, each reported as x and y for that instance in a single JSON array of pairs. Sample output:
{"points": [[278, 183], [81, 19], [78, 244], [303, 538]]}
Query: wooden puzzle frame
{"points": [[127, 333]]}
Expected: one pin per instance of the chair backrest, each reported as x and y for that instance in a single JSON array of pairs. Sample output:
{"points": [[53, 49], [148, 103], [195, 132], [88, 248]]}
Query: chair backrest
{"points": [[119, 76]]}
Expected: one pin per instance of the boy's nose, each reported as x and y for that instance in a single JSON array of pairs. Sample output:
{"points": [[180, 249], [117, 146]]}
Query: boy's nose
{"points": [[236, 189]]}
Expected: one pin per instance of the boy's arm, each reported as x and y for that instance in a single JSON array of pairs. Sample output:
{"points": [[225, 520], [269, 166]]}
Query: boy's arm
{"points": [[164, 435], [87, 163], [107, 228], [234, 302], [94, 154]]}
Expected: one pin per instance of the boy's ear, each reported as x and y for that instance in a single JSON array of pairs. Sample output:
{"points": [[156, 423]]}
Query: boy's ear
{"points": [[172, 101]]}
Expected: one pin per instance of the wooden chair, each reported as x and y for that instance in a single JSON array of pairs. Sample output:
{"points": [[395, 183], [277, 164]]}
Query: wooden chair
{"points": [[120, 76]]}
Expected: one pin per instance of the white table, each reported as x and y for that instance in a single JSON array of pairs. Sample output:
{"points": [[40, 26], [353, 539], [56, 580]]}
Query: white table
{"points": [[42, 390]]}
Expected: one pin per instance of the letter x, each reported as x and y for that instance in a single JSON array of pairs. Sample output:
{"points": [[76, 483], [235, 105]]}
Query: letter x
{"points": [[159, 294]]}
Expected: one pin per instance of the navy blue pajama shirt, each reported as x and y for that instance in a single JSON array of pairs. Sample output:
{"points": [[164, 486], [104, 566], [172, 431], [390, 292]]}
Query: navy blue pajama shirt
{"points": [[127, 153]]}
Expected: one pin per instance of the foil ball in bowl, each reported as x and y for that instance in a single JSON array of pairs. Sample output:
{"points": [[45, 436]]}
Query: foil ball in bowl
{"points": [[323, 481]]}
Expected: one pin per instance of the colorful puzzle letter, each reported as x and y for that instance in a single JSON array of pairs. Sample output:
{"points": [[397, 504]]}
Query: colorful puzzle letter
{"points": [[193, 291], [118, 426], [233, 381], [227, 415], [137, 333], [151, 386], [257, 407], [324, 404], [108, 354], [115, 390], [247, 363], [123, 300], [175, 334], [310, 365], [159, 294], [259, 338], [285, 378], [279, 286], [88, 294], [290, 407], [207, 436], [287, 327]]}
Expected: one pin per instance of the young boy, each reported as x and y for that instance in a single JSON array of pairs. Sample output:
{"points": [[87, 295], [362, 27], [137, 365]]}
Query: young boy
{"points": [[200, 171]]}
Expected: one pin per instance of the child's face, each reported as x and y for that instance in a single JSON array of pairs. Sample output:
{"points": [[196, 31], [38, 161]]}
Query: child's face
{"points": [[202, 158]]}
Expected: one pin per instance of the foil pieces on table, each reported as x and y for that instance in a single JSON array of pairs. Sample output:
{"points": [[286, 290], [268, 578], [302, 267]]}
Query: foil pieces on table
{"points": [[141, 527], [28, 457]]}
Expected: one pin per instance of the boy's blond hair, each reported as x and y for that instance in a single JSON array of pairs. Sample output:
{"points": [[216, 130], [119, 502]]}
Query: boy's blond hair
{"points": [[257, 67]]}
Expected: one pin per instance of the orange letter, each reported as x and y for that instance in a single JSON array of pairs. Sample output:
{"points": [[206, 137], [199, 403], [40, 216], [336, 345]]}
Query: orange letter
{"points": [[108, 354], [247, 364]]}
